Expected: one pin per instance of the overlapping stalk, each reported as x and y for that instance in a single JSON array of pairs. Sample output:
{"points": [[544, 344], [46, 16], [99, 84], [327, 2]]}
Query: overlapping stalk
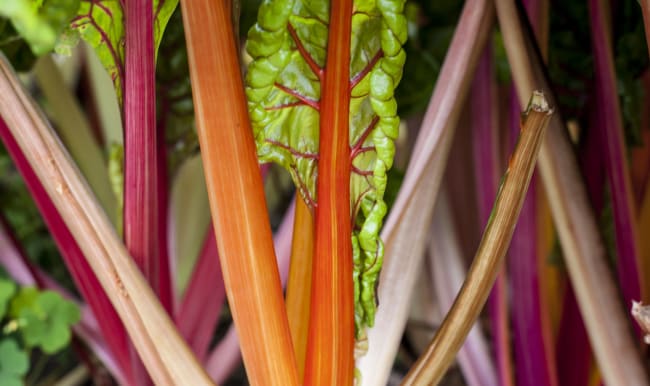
{"points": [[331, 328], [236, 195], [163, 352], [576, 226], [441, 352]]}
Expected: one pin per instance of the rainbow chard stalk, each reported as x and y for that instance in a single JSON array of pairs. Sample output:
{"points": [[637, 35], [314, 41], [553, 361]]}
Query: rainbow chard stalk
{"points": [[236, 194], [610, 124], [139, 24], [141, 172], [486, 160], [109, 323], [132, 69], [532, 338], [321, 104]]}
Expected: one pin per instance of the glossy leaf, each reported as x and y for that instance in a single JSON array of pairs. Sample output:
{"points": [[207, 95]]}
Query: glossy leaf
{"points": [[289, 44]]}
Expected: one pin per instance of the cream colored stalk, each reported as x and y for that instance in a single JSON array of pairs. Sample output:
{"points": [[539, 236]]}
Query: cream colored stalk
{"points": [[584, 254], [407, 227], [164, 353]]}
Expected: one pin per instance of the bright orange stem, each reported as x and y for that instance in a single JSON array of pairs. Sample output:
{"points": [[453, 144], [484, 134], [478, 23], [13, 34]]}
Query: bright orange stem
{"points": [[236, 195], [331, 330], [299, 284]]}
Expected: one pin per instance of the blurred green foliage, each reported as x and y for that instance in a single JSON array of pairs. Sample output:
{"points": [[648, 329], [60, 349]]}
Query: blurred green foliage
{"points": [[39, 22], [30, 318]]}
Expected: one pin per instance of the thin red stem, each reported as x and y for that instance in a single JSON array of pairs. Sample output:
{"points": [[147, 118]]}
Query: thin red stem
{"points": [[286, 106], [302, 98], [315, 68], [292, 150], [356, 148], [358, 77]]}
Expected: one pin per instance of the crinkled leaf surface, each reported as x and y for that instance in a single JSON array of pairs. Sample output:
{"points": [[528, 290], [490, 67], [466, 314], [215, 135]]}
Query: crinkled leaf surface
{"points": [[39, 22], [289, 45], [14, 363], [101, 24]]}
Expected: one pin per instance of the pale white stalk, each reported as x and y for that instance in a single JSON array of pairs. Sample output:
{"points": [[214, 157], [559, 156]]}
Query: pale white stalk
{"points": [[406, 230], [164, 353], [609, 333], [447, 273]]}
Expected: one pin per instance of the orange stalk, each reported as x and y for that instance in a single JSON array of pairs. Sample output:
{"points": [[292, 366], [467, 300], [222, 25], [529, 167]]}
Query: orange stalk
{"points": [[236, 195], [331, 330], [299, 284]]}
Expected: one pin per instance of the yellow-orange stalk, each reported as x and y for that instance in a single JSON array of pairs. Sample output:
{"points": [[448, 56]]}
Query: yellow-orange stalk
{"points": [[236, 195], [331, 327], [299, 284]]}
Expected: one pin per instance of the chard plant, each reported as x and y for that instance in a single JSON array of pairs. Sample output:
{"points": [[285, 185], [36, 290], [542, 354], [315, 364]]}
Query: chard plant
{"points": [[326, 250]]}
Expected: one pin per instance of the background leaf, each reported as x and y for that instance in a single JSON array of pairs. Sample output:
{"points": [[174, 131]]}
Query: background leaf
{"points": [[7, 290], [40, 23], [14, 363]]}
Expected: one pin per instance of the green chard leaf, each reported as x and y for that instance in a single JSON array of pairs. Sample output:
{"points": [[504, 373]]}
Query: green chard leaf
{"points": [[288, 45], [101, 24]]}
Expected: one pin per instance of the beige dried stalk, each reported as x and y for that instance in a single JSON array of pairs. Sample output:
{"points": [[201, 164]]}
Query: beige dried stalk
{"points": [[433, 364]]}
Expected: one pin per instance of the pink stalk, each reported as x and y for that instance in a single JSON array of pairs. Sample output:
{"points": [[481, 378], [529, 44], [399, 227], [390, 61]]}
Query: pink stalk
{"points": [[532, 341], [532, 337], [609, 123], [109, 323], [225, 358], [165, 278], [200, 308], [143, 205], [573, 349], [142, 201], [640, 156], [488, 171]]}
